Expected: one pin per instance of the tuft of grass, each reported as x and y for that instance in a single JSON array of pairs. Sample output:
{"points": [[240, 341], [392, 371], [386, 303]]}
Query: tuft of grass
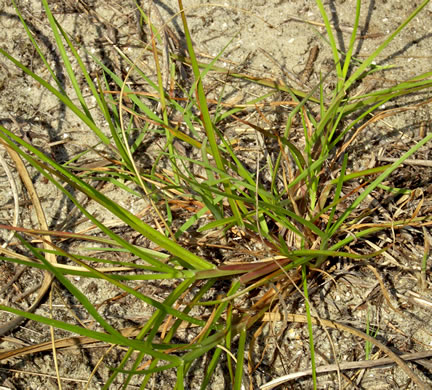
{"points": [[300, 198]]}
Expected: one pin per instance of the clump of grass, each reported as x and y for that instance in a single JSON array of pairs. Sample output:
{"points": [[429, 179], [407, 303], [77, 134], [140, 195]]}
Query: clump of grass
{"points": [[300, 198]]}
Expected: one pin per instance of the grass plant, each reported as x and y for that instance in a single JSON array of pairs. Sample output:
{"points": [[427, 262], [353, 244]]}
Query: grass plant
{"points": [[301, 199]]}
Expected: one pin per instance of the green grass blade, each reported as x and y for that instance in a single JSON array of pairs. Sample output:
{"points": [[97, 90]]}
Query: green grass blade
{"points": [[238, 379], [65, 58], [37, 48], [347, 59], [333, 45], [309, 322], [211, 368], [63, 98], [362, 68], [338, 191], [105, 337], [152, 234], [378, 181], [207, 122]]}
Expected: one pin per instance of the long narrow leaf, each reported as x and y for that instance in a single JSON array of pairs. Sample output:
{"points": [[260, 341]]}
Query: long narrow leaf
{"points": [[115, 208]]}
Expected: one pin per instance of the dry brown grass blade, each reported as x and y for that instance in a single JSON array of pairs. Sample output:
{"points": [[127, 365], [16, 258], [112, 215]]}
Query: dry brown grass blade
{"points": [[43, 347], [427, 245], [60, 344], [417, 299], [381, 115], [48, 278], [383, 289], [68, 267], [408, 161], [250, 359], [14, 190], [419, 206], [96, 366], [336, 325], [417, 356], [399, 224]]}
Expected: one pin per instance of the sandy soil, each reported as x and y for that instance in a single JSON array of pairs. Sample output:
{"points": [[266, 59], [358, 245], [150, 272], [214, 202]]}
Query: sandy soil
{"points": [[268, 38]]}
